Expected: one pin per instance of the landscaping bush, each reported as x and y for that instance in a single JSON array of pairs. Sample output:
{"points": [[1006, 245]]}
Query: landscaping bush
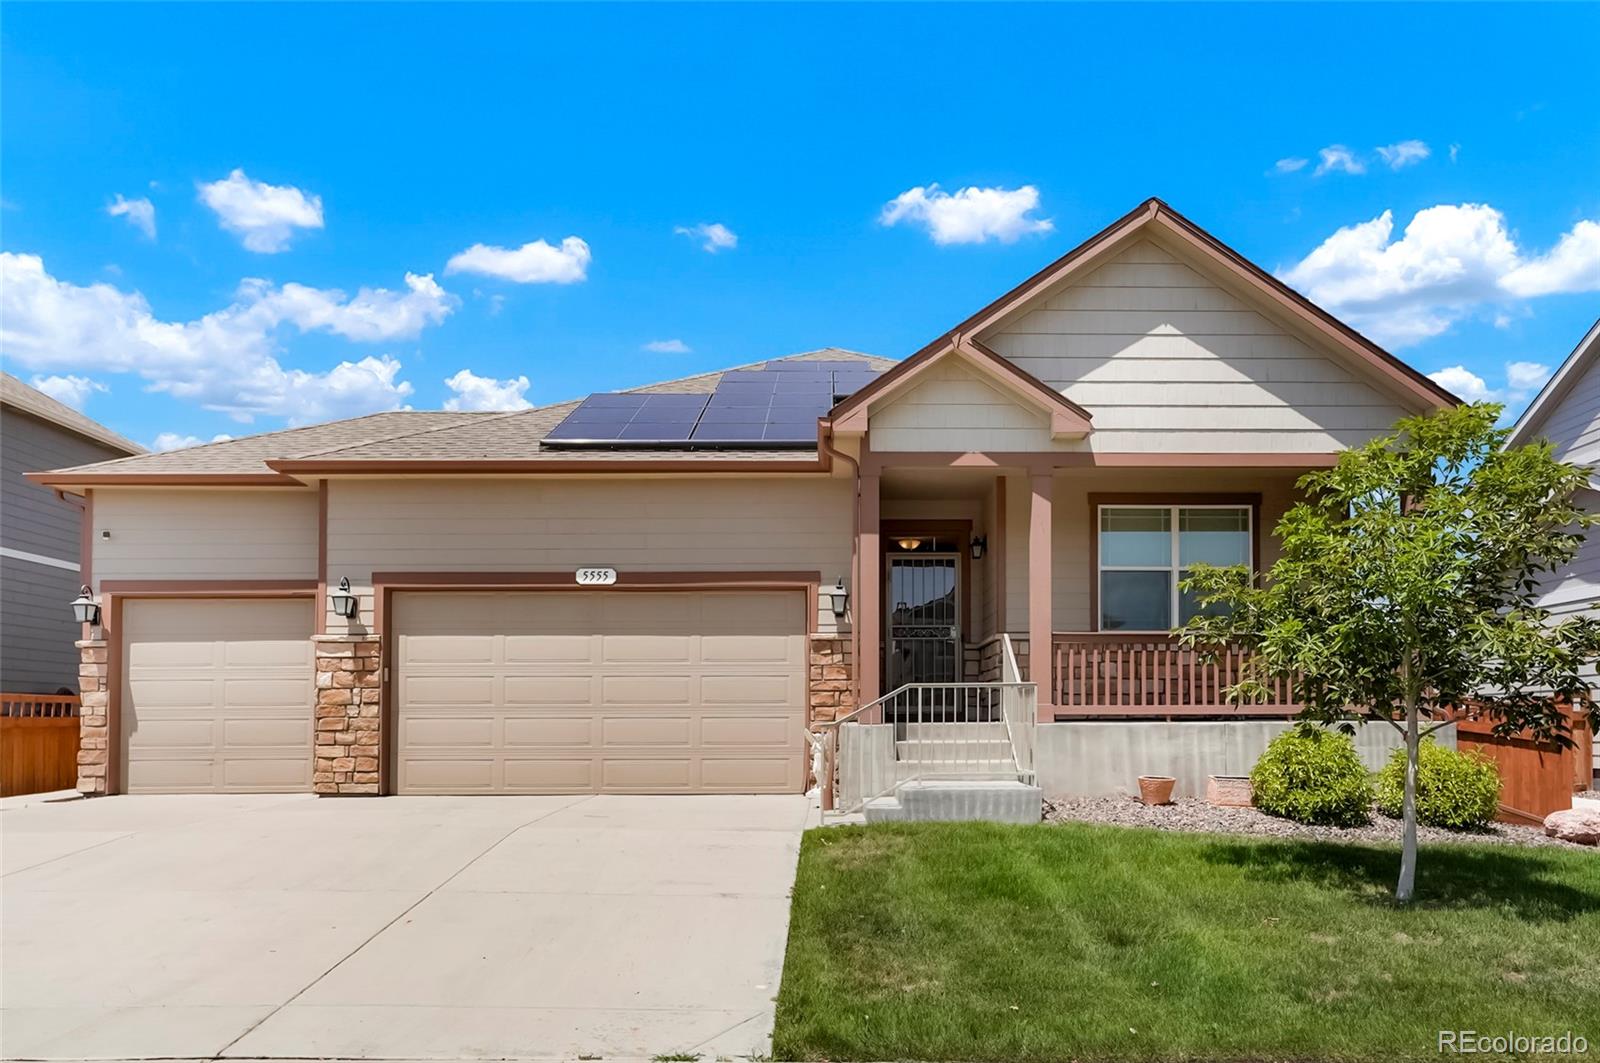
{"points": [[1312, 775], [1455, 790]]}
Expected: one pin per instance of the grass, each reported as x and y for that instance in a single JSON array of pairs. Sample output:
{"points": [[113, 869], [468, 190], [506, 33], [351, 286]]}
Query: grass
{"points": [[933, 941]]}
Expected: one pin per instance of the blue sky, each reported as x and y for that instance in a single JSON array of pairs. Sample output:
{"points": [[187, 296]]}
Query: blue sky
{"points": [[283, 169]]}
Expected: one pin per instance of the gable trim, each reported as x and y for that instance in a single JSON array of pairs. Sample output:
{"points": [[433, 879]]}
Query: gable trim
{"points": [[1067, 418]]}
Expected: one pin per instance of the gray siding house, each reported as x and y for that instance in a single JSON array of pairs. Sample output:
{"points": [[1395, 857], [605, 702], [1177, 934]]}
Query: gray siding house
{"points": [[1567, 412], [40, 536]]}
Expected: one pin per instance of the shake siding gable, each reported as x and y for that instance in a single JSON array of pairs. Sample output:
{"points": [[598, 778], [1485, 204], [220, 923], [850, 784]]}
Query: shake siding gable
{"points": [[645, 525], [1168, 360]]}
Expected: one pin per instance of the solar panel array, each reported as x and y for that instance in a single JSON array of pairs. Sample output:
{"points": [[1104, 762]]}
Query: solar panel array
{"points": [[774, 406]]}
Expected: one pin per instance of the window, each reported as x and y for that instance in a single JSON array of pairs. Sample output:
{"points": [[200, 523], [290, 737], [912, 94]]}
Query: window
{"points": [[1146, 550]]}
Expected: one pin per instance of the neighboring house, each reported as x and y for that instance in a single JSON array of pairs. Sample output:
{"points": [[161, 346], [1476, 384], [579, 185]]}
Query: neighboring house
{"points": [[786, 540], [1567, 413], [41, 536]]}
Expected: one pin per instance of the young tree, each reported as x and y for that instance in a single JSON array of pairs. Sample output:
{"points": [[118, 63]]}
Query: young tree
{"points": [[1406, 586]]}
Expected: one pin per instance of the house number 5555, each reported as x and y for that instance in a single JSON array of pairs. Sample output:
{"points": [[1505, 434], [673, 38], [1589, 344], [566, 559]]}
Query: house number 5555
{"points": [[596, 577]]}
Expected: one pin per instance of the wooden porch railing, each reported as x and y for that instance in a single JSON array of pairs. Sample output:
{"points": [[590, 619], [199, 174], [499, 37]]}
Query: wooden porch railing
{"points": [[1104, 674], [38, 743]]}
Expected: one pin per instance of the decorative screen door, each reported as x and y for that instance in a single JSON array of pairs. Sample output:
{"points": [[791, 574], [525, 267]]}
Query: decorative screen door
{"points": [[923, 606]]}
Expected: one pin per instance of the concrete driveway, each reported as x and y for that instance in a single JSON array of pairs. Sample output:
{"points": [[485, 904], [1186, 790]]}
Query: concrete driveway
{"points": [[436, 928]]}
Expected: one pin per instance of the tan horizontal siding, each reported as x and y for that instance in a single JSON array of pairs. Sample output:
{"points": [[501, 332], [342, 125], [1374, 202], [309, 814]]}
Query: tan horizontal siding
{"points": [[553, 526], [204, 534]]}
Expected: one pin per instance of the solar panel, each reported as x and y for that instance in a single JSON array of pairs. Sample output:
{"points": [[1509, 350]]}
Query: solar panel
{"points": [[776, 405]]}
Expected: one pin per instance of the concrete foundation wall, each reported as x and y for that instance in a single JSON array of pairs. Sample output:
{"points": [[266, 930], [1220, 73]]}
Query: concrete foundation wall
{"points": [[1087, 759]]}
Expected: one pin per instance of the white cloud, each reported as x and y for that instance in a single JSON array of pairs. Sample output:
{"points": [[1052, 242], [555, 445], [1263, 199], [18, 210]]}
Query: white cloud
{"points": [[228, 359], [174, 441], [970, 216], [474, 392], [716, 236], [1459, 380], [1455, 152], [667, 347], [141, 213], [532, 263], [74, 391], [1290, 165], [1450, 260], [1337, 157], [1522, 380], [264, 216], [1526, 376], [1405, 153]]}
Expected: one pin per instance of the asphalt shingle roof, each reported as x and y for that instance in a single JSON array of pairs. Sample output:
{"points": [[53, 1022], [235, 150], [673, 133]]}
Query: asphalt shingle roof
{"points": [[14, 394], [408, 435]]}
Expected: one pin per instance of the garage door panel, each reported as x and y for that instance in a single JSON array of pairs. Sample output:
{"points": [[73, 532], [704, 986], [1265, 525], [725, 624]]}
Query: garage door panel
{"points": [[448, 649], [458, 730], [549, 732], [625, 691], [217, 695]]}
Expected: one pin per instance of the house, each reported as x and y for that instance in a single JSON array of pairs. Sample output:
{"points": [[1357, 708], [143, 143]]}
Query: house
{"points": [[1567, 413], [41, 534], [662, 590]]}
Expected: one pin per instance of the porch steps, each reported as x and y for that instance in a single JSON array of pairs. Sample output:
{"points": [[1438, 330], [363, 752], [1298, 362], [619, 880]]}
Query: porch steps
{"points": [[927, 800]]}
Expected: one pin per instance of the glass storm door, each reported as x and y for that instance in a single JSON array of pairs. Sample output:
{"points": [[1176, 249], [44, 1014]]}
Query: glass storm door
{"points": [[924, 636]]}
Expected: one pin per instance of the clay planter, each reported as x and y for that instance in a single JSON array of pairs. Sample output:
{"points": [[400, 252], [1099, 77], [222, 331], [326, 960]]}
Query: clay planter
{"points": [[1156, 789], [1230, 791]]}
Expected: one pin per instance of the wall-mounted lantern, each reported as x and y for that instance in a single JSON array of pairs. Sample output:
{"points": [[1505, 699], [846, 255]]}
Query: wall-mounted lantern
{"points": [[841, 598], [85, 610], [980, 546], [344, 603]]}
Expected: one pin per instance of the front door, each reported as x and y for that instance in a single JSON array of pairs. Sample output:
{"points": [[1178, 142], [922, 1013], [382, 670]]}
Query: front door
{"points": [[923, 606]]}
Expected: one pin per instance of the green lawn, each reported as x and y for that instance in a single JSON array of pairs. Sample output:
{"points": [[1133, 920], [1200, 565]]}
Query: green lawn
{"points": [[979, 942]]}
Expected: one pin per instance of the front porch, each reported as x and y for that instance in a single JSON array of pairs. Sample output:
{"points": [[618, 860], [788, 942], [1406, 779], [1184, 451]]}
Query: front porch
{"points": [[956, 551]]}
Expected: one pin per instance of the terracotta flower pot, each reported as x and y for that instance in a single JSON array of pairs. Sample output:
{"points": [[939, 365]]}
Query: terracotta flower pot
{"points": [[1230, 791], [1156, 789]]}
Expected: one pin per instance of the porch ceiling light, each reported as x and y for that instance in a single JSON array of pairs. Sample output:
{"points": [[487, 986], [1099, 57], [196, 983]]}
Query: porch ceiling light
{"points": [[841, 598], [979, 546], [909, 543], [85, 610], [343, 601]]}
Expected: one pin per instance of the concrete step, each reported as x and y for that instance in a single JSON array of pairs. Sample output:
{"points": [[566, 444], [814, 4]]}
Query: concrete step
{"points": [[928, 732], [988, 771], [995, 801], [951, 749], [883, 810]]}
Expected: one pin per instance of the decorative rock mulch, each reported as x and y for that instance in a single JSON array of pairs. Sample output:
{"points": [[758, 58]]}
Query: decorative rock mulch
{"points": [[1194, 815]]}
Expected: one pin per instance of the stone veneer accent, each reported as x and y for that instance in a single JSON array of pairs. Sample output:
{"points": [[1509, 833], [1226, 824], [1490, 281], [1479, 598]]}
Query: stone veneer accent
{"points": [[349, 720], [830, 687], [94, 731]]}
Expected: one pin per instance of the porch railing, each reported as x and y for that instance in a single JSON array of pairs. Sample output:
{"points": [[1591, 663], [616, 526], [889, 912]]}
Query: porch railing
{"points": [[1152, 676], [928, 731]]}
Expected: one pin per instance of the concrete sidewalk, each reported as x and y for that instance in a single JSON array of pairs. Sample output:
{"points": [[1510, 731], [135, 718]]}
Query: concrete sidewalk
{"points": [[430, 928]]}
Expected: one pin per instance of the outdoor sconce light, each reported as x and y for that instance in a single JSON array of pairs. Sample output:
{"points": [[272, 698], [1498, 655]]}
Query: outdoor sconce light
{"points": [[980, 546], [841, 598], [84, 609], [344, 603]]}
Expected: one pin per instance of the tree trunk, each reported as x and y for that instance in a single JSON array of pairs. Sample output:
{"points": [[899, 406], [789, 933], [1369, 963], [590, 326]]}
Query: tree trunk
{"points": [[1408, 810]]}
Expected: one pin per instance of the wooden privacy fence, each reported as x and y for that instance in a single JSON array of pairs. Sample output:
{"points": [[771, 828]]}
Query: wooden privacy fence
{"points": [[38, 743], [1536, 778]]}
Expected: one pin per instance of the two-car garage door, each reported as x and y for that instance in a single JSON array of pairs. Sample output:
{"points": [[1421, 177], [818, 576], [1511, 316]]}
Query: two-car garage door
{"points": [[606, 691], [493, 692]]}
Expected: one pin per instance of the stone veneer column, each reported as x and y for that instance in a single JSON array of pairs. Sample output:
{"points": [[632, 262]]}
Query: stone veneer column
{"points": [[830, 688], [94, 731], [349, 720]]}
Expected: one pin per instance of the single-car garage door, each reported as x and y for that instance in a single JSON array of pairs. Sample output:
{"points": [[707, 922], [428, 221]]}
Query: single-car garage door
{"points": [[592, 692], [217, 695]]}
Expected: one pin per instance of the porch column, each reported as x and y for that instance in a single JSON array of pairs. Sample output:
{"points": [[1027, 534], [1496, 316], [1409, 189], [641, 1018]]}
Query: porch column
{"points": [[868, 618], [1041, 651]]}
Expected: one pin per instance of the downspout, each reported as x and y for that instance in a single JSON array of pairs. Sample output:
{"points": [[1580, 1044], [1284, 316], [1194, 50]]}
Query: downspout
{"points": [[826, 439]]}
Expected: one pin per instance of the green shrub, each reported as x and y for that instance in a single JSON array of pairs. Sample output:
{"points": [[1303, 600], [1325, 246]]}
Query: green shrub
{"points": [[1455, 790], [1313, 775]]}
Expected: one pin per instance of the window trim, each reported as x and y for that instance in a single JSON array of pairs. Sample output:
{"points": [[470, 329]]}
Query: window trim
{"points": [[1173, 500]]}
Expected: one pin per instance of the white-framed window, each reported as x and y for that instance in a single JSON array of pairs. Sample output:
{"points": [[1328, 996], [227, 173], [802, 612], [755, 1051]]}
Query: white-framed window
{"points": [[1145, 550]]}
